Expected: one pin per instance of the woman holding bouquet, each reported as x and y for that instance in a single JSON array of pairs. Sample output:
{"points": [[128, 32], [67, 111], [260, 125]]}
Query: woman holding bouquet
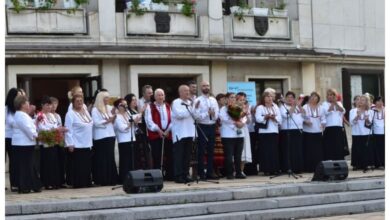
{"points": [[104, 170], [232, 136], [50, 136], [268, 116], [24, 134], [78, 140]]}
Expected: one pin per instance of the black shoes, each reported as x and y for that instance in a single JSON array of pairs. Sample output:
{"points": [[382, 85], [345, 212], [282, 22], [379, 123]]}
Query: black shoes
{"points": [[240, 176], [230, 177], [212, 177], [180, 180]]}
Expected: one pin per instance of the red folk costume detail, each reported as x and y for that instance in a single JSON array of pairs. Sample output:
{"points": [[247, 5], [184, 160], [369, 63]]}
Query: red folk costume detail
{"points": [[157, 120]]}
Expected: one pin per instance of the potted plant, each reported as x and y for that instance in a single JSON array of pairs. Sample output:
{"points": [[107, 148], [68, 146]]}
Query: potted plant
{"points": [[280, 9], [187, 7], [262, 11], [240, 10], [17, 5], [137, 8], [44, 4], [159, 5]]}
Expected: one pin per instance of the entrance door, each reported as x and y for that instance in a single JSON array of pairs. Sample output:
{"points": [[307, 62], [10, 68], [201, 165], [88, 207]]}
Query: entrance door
{"points": [[57, 86], [169, 84]]}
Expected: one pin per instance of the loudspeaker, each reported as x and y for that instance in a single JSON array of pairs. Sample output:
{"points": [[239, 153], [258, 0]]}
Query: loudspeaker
{"points": [[140, 181], [331, 170]]}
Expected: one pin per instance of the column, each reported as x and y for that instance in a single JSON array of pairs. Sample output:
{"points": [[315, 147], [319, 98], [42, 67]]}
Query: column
{"points": [[308, 78], [111, 77]]}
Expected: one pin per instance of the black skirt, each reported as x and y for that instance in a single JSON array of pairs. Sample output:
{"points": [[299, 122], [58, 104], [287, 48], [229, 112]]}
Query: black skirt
{"points": [[362, 154], [61, 151], [79, 168], [312, 150], [50, 167], [294, 156], [104, 170], [12, 177], [126, 159], [379, 150], [27, 175], [333, 143], [268, 152]]}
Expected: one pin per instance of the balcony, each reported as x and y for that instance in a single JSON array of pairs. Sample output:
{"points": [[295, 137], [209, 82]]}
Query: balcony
{"points": [[51, 21], [276, 28], [178, 24]]}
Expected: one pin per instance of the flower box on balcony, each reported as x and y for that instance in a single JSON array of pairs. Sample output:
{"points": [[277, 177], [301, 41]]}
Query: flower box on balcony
{"points": [[180, 25], [261, 27], [52, 21]]}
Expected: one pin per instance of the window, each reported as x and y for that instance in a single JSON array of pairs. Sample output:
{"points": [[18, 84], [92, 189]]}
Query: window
{"points": [[262, 84]]}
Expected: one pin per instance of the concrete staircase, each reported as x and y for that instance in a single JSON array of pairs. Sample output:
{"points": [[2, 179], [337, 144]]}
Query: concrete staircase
{"points": [[282, 201]]}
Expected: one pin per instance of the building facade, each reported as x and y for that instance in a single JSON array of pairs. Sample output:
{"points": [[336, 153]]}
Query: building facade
{"points": [[319, 44]]}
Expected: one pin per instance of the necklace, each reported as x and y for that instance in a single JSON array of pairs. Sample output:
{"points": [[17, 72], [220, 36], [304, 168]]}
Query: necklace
{"points": [[49, 118], [313, 114], [84, 117], [381, 113]]}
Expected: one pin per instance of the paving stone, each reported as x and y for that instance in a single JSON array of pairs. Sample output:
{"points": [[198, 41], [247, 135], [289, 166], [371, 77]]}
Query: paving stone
{"points": [[366, 184], [242, 205], [249, 193], [284, 190]]}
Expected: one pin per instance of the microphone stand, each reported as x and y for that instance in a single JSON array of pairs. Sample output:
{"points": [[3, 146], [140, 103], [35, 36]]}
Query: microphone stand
{"points": [[365, 170], [289, 171], [195, 146]]}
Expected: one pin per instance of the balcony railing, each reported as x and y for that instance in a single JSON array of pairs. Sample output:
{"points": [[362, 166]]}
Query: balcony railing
{"points": [[254, 27], [176, 24], [51, 21]]}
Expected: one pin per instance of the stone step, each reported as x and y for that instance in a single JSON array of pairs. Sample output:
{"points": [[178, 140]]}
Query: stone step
{"points": [[212, 208], [199, 196]]}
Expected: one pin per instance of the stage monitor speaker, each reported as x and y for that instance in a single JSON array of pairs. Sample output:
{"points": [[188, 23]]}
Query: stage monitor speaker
{"points": [[331, 170], [141, 181]]}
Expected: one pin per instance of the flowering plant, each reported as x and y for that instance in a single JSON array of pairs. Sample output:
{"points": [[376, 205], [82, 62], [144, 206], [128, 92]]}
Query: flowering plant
{"points": [[235, 112], [52, 137], [39, 117], [188, 7]]}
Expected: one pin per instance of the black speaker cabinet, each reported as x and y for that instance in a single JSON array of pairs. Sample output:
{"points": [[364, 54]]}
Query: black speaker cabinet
{"points": [[141, 181], [331, 170]]}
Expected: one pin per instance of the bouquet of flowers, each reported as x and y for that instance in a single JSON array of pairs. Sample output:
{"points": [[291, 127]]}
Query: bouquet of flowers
{"points": [[51, 138], [235, 112]]}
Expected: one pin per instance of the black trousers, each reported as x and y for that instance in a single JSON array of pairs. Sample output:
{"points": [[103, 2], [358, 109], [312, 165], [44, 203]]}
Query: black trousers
{"points": [[232, 148], [181, 157], [104, 170], [167, 168], [126, 159], [11, 169], [50, 167], [27, 175], [208, 146], [79, 168]]}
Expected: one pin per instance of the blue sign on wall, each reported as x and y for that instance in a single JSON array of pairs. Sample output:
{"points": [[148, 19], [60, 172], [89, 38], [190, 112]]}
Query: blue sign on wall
{"points": [[248, 87]]}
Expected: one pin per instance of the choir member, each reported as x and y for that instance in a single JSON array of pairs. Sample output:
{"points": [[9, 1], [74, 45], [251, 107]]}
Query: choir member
{"points": [[379, 132], [61, 150], [232, 139], [24, 134], [313, 124], [125, 134], [142, 147], [147, 94], [78, 140], [246, 156], [75, 90], [268, 114], [50, 163], [159, 123], [183, 133], [218, 148], [292, 123], [333, 133], [9, 120], [193, 90], [362, 155], [206, 113], [104, 170]]}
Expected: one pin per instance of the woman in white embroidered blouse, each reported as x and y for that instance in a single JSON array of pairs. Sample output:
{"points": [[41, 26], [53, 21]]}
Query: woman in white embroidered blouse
{"points": [[78, 140], [49, 166], [104, 170], [24, 134], [378, 131]]}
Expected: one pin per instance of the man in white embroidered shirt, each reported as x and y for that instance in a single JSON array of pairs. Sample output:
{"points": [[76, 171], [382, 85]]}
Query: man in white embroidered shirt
{"points": [[183, 132], [206, 113]]}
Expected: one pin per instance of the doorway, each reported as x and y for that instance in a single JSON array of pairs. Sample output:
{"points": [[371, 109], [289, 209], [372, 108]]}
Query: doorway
{"points": [[37, 86], [169, 84]]}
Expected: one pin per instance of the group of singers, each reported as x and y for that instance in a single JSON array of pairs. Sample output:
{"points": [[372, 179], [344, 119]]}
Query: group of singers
{"points": [[278, 135]]}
